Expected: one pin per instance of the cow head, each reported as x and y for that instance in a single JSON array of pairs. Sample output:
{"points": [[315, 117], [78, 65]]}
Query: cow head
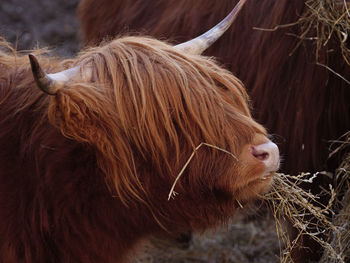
{"points": [[145, 107]]}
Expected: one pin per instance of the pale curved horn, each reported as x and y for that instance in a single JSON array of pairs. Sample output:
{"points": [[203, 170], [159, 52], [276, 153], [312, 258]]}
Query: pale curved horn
{"points": [[50, 83], [199, 44]]}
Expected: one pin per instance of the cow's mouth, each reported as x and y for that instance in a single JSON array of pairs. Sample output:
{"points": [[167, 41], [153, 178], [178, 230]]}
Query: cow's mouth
{"points": [[246, 193], [255, 188]]}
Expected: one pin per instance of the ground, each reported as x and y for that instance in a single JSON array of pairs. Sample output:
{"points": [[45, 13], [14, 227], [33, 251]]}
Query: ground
{"points": [[43, 23], [53, 24], [244, 240]]}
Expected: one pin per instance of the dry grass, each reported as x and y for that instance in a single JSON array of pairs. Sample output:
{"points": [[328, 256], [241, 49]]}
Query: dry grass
{"points": [[290, 202], [327, 24], [340, 240], [330, 225], [327, 21], [331, 20]]}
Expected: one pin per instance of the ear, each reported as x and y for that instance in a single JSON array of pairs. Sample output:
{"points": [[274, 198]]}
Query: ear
{"points": [[84, 114], [77, 112]]}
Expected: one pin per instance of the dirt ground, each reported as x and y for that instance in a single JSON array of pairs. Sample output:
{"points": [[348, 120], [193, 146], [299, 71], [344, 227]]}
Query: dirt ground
{"points": [[245, 239], [53, 24], [43, 23]]}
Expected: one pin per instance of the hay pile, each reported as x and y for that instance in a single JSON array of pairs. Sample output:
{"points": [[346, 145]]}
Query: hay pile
{"points": [[290, 202], [340, 240], [331, 19], [330, 225], [327, 24]]}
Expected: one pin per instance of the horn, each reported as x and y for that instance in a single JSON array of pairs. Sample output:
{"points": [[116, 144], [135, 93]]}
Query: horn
{"points": [[50, 83], [43, 80], [200, 44]]}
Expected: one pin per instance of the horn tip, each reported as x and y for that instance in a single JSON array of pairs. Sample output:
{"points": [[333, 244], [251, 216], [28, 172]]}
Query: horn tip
{"points": [[36, 68], [40, 77], [33, 60]]}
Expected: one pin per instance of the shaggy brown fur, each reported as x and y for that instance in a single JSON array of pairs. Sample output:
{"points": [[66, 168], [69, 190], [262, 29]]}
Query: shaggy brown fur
{"points": [[303, 104], [85, 174]]}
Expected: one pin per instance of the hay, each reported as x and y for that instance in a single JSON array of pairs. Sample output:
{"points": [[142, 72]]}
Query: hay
{"points": [[172, 193], [340, 241], [330, 225], [290, 202], [342, 217], [331, 20], [327, 24]]}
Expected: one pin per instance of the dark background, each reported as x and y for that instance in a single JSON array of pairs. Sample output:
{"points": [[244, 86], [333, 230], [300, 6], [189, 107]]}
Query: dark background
{"points": [[41, 23]]}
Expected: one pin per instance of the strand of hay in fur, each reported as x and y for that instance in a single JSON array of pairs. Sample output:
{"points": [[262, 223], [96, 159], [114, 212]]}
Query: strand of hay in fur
{"points": [[172, 193], [334, 72]]}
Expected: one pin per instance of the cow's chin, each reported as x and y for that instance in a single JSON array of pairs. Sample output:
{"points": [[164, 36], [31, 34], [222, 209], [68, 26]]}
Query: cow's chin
{"points": [[247, 190], [254, 189]]}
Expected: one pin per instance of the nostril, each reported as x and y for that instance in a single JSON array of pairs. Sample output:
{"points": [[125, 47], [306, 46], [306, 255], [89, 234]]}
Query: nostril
{"points": [[259, 154], [267, 153]]}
